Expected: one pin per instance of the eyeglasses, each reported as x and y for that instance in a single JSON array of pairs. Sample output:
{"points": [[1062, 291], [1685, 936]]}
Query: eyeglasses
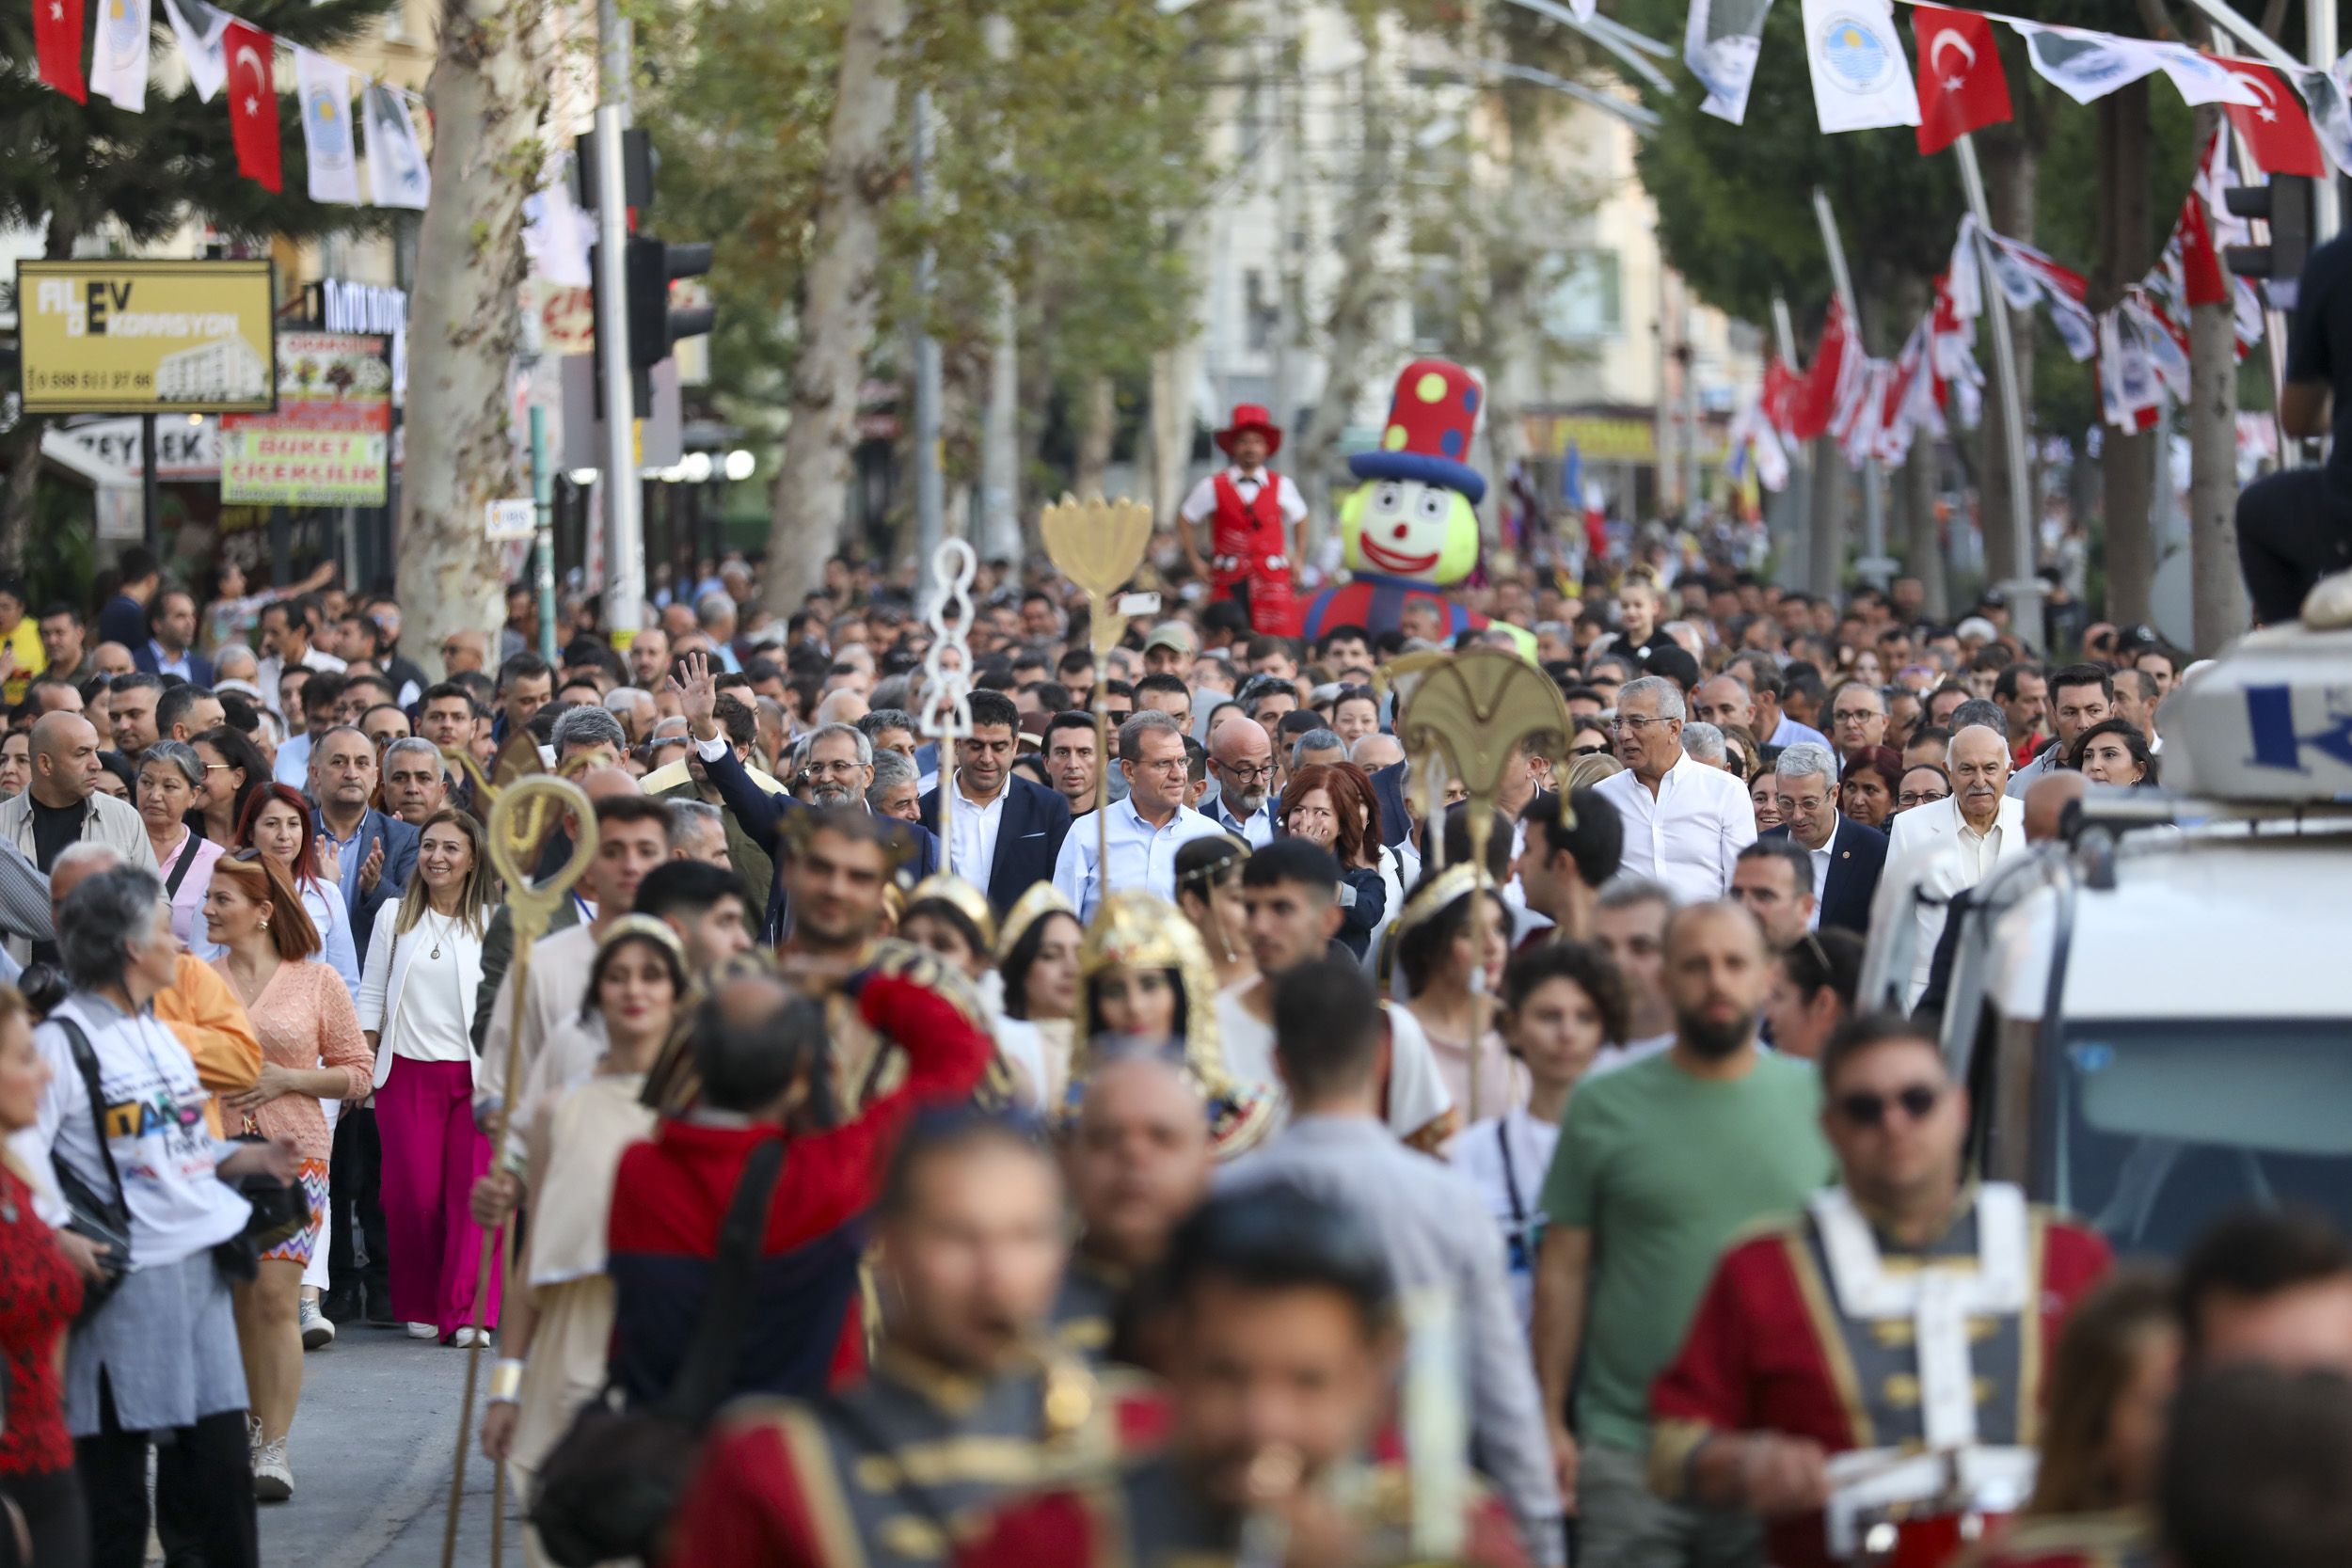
{"points": [[1169, 765], [1910, 797], [835, 769], [1870, 1110], [1247, 773], [1633, 722], [1855, 715], [1588, 751]]}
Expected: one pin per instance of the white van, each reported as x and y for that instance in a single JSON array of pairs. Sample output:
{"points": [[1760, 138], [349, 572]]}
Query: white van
{"points": [[2154, 1015]]}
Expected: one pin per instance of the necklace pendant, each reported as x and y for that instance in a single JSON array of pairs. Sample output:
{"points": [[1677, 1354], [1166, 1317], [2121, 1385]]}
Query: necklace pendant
{"points": [[437, 951]]}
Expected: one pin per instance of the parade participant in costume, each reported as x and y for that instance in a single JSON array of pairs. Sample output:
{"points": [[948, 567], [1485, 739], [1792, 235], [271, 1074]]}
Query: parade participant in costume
{"points": [[1254, 515], [1871, 1374], [1144, 984], [951, 919], [836, 1075], [881, 995], [1410, 531], [553, 1341], [967, 1399], [1281, 1342], [1137, 1159], [1038, 972]]}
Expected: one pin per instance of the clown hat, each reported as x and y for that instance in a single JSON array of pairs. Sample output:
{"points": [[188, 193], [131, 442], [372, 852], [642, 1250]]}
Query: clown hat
{"points": [[1427, 434], [1252, 416]]}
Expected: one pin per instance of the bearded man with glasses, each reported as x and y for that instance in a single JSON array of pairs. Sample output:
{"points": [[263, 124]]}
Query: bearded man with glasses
{"points": [[1842, 1371]]}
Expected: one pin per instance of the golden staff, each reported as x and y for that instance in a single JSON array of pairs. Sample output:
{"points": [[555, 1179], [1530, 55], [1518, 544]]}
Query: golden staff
{"points": [[946, 712], [522, 814], [1098, 545], [1478, 710]]}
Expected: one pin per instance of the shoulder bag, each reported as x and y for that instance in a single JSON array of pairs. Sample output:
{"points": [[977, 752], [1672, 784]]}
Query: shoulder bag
{"points": [[609, 1488], [102, 1219]]}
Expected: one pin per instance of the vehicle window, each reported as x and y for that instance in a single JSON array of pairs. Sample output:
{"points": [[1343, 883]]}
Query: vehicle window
{"points": [[2157, 1128]]}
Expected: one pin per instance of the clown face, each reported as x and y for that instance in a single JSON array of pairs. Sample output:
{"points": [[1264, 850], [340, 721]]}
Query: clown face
{"points": [[1405, 528]]}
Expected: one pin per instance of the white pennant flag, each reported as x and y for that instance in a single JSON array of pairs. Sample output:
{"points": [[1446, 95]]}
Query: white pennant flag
{"points": [[1720, 43], [1860, 78], [2204, 80], [199, 28], [119, 63], [2086, 66], [328, 144], [397, 174]]}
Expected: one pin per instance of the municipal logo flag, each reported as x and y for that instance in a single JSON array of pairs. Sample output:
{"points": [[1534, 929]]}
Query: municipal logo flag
{"points": [[2277, 132], [2086, 66], [57, 42], [2331, 115], [1720, 43], [1860, 78], [118, 71], [201, 30], [1961, 86], [397, 175], [328, 144], [252, 103], [2201, 77]]}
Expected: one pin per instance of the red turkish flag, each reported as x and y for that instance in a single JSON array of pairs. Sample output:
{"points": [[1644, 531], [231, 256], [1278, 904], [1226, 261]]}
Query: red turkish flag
{"points": [[2277, 132], [2202, 278], [252, 103], [1815, 400], [1961, 85], [57, 40]]}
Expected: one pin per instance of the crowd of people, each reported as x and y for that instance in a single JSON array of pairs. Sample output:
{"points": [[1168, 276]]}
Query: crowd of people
{"points": [[1050, 1139]]}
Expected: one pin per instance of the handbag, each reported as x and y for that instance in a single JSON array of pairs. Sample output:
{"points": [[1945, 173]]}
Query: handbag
{"points": [[103, 1220], [611, 1484]]}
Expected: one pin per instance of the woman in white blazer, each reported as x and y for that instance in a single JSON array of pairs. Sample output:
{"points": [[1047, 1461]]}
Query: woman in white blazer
{"points": [[416, 1005]]}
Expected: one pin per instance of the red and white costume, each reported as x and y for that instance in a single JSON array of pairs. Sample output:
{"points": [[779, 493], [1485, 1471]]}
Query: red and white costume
{"points": [[1254, 515]]}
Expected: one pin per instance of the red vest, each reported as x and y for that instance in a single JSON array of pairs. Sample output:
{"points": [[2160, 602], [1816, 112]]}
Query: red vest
{"points": [[1248, 545]]}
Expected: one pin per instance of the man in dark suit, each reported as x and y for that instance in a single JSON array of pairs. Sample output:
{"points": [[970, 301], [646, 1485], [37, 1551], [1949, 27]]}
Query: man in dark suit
{"points": [[169, 648], [375, 853], [1006, 830], [761, 815], [1846, 856]]}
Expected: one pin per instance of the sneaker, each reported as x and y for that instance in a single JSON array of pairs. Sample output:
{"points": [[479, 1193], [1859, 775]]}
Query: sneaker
{"points": [[273, 1480], [423, 1331], [466, 1338], [317, 1333]]}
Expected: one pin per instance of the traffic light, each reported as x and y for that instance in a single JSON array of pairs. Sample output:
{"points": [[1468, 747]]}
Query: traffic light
{"points": [[650, 265], [654, 326], [2286, 204]]}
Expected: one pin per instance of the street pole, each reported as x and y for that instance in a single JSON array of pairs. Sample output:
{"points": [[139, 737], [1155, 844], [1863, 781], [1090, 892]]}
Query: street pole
{"points": [[1792, 508], [1874, 567], [624, 535], [927, 499], [543, 493], [2024, 593], [2319, 41], [151, 485]]}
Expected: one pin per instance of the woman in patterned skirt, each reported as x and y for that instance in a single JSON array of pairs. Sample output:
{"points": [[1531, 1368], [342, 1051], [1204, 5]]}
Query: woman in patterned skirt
{"points": [[312, 1049]]}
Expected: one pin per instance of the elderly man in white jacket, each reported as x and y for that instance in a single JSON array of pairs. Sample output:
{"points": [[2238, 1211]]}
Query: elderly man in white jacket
{"points": [[1941, 849]]}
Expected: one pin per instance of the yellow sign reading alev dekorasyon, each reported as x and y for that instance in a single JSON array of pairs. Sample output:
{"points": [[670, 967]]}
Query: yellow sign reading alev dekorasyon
{"points": [[116, 337]]}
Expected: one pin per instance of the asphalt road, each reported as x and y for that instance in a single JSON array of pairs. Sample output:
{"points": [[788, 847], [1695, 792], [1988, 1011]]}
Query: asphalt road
{"points": [[371, 1449]]}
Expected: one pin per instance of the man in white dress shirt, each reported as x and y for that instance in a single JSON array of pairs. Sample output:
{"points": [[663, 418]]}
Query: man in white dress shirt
{"points": [[1685, 823], [1144, 831], [1939, 849]]}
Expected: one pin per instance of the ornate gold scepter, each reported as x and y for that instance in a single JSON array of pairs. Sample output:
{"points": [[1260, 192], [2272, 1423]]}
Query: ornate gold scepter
{"points": [[1478, 710], [525, 808], [1098, 545], [947, 710]]}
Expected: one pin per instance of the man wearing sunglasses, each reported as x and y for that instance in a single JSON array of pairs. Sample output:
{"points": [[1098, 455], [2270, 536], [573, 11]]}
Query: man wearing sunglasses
{"points": [[1907, 1308]]}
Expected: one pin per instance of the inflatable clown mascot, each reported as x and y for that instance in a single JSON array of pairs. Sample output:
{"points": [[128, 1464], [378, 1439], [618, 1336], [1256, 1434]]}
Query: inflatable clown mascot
{"points": [[1409, 529]]}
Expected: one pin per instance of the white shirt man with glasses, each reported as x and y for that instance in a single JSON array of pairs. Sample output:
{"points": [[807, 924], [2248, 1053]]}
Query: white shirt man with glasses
{"points": [[1142, 833], [1685, 823]]}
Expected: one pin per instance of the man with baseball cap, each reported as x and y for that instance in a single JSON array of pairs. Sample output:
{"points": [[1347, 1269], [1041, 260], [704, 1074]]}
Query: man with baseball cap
{"points": [[1254, 511]]}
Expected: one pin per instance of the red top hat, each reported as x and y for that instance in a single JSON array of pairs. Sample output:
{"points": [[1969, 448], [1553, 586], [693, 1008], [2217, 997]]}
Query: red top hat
{"points": [[1252, 416], [1427, 434]]}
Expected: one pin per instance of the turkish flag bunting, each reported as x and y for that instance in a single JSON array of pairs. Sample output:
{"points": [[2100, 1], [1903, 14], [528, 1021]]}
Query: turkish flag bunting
{"points": [[57, 40], [2202, 278], [1814, 401], [252, 103], [2278, 132], [1961, 83]]}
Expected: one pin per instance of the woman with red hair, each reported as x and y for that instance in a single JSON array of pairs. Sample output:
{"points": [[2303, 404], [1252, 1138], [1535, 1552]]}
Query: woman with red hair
{"points": [[1332, 803], [276, 821]]}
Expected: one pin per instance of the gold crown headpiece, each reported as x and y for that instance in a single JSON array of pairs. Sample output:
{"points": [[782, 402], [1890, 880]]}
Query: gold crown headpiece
{"points": [[1451, 883], [963, 898], [1041, 899]]}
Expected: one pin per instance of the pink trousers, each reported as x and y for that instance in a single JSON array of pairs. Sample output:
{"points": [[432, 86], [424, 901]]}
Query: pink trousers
{"points": [[433, 1155]]}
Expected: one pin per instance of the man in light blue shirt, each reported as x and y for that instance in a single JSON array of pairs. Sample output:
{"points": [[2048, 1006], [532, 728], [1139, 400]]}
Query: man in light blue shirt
{"points": [[1143, 831]]}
